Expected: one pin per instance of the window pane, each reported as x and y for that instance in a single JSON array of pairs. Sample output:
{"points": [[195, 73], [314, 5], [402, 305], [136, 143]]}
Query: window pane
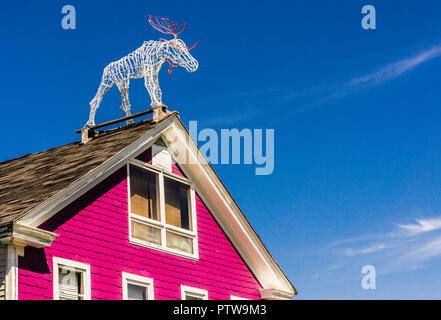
{"points": [[136, 292], [70, 284], [178, 242], [146, 233], [143, 193], [176, 204]]}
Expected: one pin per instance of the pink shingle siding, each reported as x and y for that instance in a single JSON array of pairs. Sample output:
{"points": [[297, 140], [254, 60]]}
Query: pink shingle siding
{"points": [[94, 230]]}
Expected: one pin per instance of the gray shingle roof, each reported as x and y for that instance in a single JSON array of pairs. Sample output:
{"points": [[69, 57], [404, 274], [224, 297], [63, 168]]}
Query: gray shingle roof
{"points": [[27, 181]]}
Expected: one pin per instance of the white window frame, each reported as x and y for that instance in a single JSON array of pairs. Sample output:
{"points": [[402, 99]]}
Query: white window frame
{"points": [[161, 224], [195, 292], [140, 281], [237, 298], [83, 267]]}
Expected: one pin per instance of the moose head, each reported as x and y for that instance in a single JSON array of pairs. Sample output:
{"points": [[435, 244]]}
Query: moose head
{"points": [[176, 53]]}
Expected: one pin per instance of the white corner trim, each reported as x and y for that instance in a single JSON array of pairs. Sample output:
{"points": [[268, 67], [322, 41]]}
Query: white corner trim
{"points": [[11, 284], [275, 294], [57, 262], [194, 292], [148, 283]]}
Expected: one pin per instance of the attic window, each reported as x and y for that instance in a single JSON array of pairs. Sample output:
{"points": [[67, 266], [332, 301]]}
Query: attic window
{"points": [[162, 210]]}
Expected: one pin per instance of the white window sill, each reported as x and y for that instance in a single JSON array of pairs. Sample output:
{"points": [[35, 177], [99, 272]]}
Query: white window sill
{"points": [[165, 250]]}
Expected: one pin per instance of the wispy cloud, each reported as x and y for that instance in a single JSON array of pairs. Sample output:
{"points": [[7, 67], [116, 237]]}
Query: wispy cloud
{"points": [[396, 69], [319, 96], [384, 73], [407, 247], [422, 225], [307, 99], [427, 251], [366, 250]]}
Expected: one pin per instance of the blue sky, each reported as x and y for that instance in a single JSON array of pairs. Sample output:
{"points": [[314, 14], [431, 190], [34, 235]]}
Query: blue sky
{"points": [[355, 112]]}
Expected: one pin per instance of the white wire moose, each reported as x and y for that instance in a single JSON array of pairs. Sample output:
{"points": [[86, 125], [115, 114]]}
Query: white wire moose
{"points": [[145, 62]]}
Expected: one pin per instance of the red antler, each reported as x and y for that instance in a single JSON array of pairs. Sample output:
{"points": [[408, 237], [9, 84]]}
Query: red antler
{"points": [[191, 47], [166, 26]]}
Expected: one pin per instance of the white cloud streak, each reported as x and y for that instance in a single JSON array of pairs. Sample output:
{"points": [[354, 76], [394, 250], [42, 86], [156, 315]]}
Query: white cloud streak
{"points": [[328, 92], [385, 73], [428, 251], [422, 225], [366, 250], [396, 69]]}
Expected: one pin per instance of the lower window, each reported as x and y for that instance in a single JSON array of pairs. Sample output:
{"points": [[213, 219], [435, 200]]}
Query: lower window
{"points": [[191, 293], [71, 280], [136, 287]]}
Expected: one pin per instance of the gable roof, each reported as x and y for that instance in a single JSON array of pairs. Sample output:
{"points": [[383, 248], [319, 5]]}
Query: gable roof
{"points": [[44, 189], [29, 180]]}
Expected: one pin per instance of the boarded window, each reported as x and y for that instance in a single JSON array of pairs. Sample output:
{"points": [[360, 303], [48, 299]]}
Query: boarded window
{"points": [[143, 193], [146, 233], [179, 242], [176, 204]]}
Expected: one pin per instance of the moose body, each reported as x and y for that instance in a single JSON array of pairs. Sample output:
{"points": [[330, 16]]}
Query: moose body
{"points": [[145, 62]]}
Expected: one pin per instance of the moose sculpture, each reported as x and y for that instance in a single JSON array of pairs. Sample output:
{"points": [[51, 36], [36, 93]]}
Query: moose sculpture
{"points": [[145, 62]]}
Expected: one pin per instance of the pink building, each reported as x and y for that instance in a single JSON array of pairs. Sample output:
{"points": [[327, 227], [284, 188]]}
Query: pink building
{"points": [[132, 213]]}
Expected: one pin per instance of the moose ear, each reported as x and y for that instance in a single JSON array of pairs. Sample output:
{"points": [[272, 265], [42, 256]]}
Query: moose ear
{"points": [[191, 47]]}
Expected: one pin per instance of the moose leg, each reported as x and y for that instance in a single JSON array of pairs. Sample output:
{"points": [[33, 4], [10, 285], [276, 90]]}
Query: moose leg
{"points": [[158, 92], [105, 85], [125, 102], [150, 86]]}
